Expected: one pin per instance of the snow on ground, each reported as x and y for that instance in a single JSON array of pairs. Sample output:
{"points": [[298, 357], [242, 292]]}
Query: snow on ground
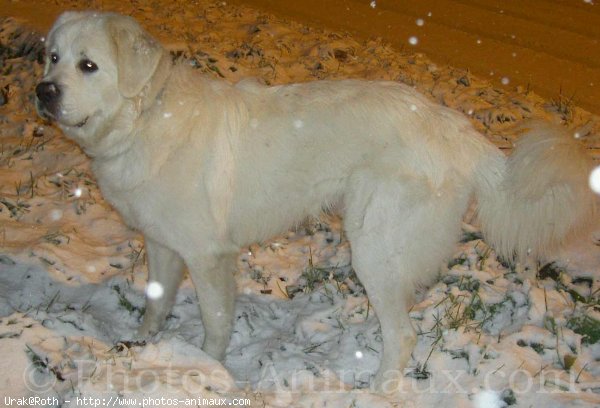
{"points": [[72, 277]]}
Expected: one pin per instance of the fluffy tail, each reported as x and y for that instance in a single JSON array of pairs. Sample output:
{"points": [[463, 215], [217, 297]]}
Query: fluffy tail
{"points": [[531, 202]]}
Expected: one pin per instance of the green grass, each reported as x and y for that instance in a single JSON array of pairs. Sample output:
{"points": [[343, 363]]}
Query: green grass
{"points": [[344, 279], [563, 105], [587, 327], [126, 304]]}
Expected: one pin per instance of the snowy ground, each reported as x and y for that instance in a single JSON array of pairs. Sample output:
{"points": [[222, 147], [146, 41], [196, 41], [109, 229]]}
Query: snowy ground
{"points": [[72, 277]]}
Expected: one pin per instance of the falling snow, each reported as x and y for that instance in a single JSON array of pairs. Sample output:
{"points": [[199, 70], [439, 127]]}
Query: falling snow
{"points": [[73, 277], [154, 290], [413, 40], [595, 180], [56, 214]]}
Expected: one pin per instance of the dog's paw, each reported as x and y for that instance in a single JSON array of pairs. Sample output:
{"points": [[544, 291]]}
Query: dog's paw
{"points": [[387, 383], [147, 332]]}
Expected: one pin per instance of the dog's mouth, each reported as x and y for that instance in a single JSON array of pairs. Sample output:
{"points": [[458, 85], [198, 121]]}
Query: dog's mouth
{"points": [[82, 123], [70, 124], [49, 105], [44, 112], [51, 115], [46, 115]]}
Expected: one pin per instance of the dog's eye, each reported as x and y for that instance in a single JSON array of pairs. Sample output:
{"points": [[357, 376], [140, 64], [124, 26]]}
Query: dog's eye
{"points": [[88, 66], [54, 58]]}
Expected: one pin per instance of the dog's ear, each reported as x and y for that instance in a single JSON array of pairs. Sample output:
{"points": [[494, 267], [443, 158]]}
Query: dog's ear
{"points": [[137, 53]]}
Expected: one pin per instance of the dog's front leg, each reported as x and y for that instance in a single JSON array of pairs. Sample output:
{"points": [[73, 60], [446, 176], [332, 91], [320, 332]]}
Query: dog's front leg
{"points": [[215, 286], [165, 268]]}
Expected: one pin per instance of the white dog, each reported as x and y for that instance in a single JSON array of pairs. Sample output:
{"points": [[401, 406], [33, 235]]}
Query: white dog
{"points": [[203, 167]]}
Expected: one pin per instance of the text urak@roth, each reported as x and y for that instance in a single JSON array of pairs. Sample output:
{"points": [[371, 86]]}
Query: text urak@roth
{"points": [[115, 402]]}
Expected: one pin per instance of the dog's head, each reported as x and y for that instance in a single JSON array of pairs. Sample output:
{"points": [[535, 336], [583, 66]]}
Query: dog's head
{"points": [[95, 62]]}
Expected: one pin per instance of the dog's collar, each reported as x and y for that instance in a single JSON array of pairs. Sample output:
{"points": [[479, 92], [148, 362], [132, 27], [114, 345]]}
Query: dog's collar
{"points": [[154, 89]]}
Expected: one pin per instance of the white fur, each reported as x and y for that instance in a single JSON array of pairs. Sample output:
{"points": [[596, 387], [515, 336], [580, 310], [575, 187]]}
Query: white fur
{"points": [[203, 167], [541, 196]]}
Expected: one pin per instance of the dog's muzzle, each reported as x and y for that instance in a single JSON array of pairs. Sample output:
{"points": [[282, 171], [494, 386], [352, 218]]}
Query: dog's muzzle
{"points": [[48, 95]]}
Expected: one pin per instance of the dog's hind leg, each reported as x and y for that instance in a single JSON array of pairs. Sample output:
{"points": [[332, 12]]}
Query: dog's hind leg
{"points": [[400, 230], [165, 268]]}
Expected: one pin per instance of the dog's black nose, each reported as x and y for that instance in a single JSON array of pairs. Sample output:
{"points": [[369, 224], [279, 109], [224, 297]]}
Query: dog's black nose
{"points": [[47, 92]]}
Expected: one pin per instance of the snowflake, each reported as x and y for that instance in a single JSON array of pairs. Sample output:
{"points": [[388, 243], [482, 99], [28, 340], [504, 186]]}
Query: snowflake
{"points": [[154, 290], [595, 180]]}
